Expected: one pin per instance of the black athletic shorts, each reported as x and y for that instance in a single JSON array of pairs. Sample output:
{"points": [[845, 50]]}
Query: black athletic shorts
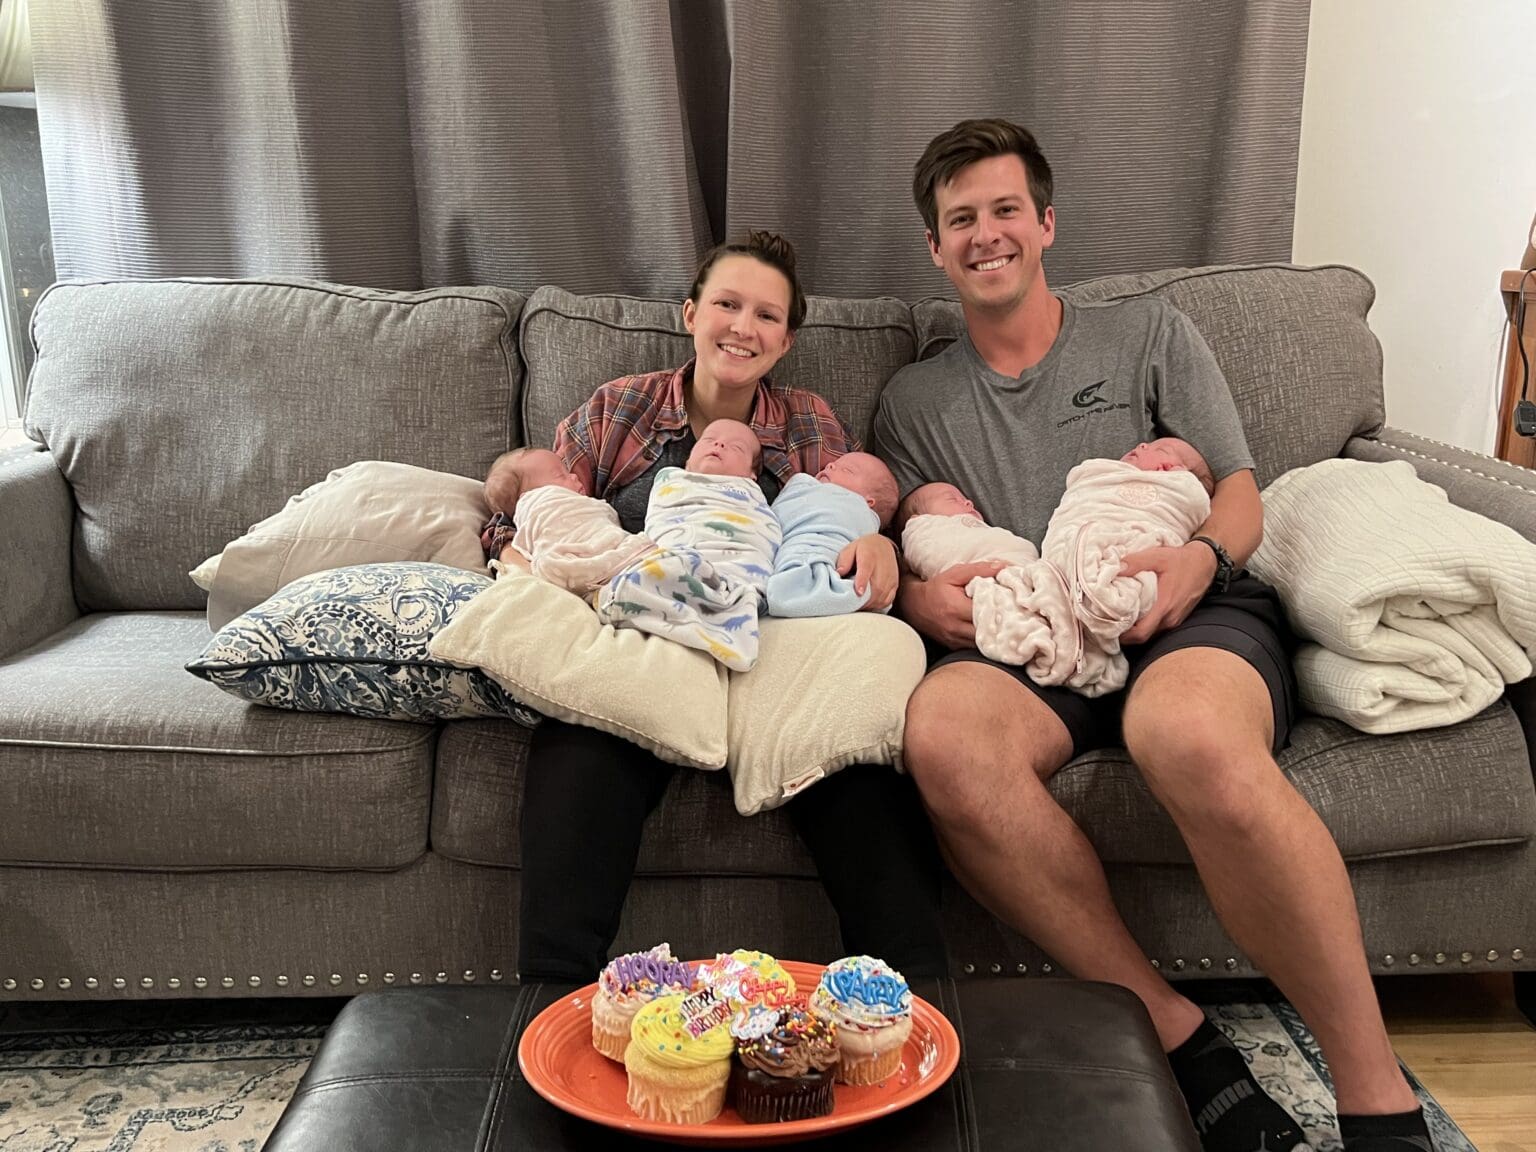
{"points": [[1246, 619]]}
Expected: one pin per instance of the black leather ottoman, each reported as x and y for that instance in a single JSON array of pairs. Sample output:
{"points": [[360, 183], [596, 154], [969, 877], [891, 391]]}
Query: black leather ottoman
{"points": [[1048, 1065]]}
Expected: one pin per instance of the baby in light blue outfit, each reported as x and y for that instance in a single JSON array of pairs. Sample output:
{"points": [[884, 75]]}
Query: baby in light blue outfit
{"points": [[853, 496]]}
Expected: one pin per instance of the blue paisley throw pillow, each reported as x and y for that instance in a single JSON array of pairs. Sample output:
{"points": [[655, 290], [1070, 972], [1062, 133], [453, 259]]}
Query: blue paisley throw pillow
{"points": [[354, 640]]}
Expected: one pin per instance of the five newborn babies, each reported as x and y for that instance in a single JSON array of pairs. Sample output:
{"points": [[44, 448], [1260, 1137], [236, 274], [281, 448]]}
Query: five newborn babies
{"points": [[714, 552]]}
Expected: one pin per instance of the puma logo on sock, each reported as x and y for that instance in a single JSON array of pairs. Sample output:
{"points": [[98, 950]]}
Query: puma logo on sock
{"points": [[1222, 1103]]}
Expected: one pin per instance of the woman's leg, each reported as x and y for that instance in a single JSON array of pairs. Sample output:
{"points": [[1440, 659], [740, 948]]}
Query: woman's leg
{"points": [[873, 845], [586, 795]]}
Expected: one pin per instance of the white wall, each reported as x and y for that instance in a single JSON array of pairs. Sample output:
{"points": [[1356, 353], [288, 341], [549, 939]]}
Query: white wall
{"points": [[1418, 166]]}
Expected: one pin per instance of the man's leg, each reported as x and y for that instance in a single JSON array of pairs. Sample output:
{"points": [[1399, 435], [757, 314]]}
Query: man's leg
{"points": [[1199, 723], [586, 795], [874, 849], [980, 745]]}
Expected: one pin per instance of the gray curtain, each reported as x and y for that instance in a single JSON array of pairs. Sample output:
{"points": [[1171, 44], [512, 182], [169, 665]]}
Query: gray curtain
{"points": [[602, 145]]}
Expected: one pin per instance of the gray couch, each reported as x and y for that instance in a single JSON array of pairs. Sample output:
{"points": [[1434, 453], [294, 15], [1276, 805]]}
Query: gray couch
{"points": [[161, 838]]}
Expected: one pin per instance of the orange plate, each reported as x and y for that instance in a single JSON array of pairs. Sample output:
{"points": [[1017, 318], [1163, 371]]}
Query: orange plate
{"points": [[557, 1056]]}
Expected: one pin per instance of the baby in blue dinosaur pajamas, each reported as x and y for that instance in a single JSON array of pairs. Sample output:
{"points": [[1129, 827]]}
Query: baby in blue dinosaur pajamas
{"points": [[715, 539], [851, 497]]}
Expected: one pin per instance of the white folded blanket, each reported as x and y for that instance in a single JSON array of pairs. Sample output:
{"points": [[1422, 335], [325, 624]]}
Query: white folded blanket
{"points": [[1419, 612]]}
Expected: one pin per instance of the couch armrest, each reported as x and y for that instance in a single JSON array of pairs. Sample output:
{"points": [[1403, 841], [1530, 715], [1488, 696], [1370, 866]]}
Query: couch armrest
{"points": [[1500, 491], [37, 516]]}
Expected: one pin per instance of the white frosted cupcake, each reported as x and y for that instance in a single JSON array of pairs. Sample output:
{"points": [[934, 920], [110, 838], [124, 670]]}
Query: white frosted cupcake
{"points": [[872, 1007], [626, 985]]}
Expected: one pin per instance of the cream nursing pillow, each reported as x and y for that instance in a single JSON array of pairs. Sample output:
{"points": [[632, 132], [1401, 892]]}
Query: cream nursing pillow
{"points": [[547, 648], [827, 692]]}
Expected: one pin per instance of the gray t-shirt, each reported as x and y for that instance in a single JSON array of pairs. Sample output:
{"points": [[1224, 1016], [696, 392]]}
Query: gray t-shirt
{"points": [[1119, 373]]}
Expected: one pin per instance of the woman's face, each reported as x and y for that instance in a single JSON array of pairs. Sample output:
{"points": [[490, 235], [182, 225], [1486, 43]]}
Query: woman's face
{"points": [[740, 323]]}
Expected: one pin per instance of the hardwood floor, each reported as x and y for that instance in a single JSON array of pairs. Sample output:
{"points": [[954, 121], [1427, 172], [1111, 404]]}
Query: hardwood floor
{"points": [[1469, 1045]]}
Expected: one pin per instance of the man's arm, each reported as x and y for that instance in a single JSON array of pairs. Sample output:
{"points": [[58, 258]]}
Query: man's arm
{"points": [[939, 608], [1184, 574]]}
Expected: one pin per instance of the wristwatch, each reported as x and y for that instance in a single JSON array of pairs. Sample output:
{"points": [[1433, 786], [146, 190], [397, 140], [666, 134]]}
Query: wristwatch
{"points": [[1224, 566]]}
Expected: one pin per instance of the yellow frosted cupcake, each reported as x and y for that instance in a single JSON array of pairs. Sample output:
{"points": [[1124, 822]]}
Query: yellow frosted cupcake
{"points": [[626, 985], [872, 1007], [678, 1063]]}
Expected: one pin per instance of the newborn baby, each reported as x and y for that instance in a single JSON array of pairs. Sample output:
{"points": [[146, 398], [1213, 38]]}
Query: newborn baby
{"points": [[569, 538], [1061, 615], [853, 496], [714, 539]]}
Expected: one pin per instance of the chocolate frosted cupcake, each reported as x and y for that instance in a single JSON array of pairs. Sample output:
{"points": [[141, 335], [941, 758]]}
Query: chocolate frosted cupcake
{"points": [[785, 1061]]}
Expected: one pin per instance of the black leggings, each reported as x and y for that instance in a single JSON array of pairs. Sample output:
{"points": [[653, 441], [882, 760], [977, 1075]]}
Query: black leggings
{"points": [[586, 795]]}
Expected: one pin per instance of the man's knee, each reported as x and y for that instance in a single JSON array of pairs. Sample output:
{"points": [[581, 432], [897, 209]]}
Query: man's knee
{"points": [[970, 731]]}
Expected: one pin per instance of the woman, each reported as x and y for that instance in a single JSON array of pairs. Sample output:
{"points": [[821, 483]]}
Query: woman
{"points": [[586, 794]]}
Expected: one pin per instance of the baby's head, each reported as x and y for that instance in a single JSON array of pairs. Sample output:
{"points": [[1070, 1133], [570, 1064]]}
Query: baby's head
{"points": [[866, 475], [1170, 454], [727, 448], [522, 470], [936, 500]]}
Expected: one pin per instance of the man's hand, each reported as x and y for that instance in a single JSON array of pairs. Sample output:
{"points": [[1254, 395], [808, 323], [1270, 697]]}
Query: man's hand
{"points": [[872, 560], [1183, 576], [940, 609]]}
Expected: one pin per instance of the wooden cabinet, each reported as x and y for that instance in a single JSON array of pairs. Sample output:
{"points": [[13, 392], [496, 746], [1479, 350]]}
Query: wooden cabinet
{"points": [[1517, 449]]}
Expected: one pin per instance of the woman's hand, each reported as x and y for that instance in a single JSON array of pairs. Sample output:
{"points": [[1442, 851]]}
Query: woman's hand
{"points": [[1183, 576], [872, 560], [940, 609]]}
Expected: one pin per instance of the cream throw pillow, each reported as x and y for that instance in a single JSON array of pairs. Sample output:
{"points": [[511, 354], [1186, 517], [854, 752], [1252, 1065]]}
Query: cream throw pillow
{"points": [[547, 648], [371, 512], [826, 693]]}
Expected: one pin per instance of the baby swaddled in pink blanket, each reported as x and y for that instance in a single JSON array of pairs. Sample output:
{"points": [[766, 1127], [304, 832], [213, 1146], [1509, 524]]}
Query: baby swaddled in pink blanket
{"points": [[1060, 613]]}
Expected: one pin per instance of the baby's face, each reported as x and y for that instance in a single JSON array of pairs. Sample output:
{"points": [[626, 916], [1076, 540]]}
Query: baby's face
{"points": [[939, 500], [1166, 455], [858, 472], [541, 468], [727, 448]]}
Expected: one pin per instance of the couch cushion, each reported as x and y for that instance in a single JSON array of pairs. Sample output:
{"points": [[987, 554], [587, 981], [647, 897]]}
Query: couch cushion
{"points": [[846, 350], [111, 754], [1429, 791], [477, 797], [1293, 342], [1380, 796], [183, 411]]}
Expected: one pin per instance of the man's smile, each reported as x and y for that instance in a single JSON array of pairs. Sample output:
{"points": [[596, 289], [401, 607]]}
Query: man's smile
{"points": [[993, 264]]}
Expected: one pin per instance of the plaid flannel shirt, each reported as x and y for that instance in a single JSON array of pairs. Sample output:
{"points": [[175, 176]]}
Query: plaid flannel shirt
{"points": [[620, 432]]}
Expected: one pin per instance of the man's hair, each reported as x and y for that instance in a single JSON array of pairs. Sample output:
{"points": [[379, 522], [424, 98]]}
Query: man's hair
{"points": [[768, 248], [963, 145], [503, 483]]}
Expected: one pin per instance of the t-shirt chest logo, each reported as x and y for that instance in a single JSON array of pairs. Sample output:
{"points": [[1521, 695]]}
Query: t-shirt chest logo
{"points": [[1090, 400]]}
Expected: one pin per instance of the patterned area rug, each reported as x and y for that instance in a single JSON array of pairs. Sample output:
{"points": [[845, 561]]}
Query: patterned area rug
{"points": [[198, 1085]]}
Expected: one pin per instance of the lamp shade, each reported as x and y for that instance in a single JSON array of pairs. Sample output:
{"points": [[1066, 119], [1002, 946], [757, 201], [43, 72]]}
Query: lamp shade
{"points": [[15, 47]]}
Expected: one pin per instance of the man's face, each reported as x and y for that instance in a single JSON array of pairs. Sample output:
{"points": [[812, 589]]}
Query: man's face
{"points": [[990, 235], [727, 448]]}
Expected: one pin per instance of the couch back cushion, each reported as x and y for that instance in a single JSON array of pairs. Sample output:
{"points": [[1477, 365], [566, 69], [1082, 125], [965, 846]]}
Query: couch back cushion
{"points": [[1304, 368], [846, 350], [183, 411]]}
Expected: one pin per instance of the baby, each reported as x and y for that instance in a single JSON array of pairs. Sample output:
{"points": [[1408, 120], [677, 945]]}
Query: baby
{"points": [[713, 541], [821, 515], [1061, 615], [568, 538]]}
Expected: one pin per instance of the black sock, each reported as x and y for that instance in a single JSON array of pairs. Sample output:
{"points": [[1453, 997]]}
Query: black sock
{"points": [[1231, 1112], [1393, 1132]]}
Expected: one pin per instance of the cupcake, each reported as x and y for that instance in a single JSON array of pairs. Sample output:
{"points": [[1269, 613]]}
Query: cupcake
{"points": [[744, 978], [785, 1065], [872, 1007], [625, 986], [676, 1075]]}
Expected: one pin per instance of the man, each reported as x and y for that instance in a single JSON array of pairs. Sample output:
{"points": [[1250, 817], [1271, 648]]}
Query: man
{"points": [[1033, 387]]}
